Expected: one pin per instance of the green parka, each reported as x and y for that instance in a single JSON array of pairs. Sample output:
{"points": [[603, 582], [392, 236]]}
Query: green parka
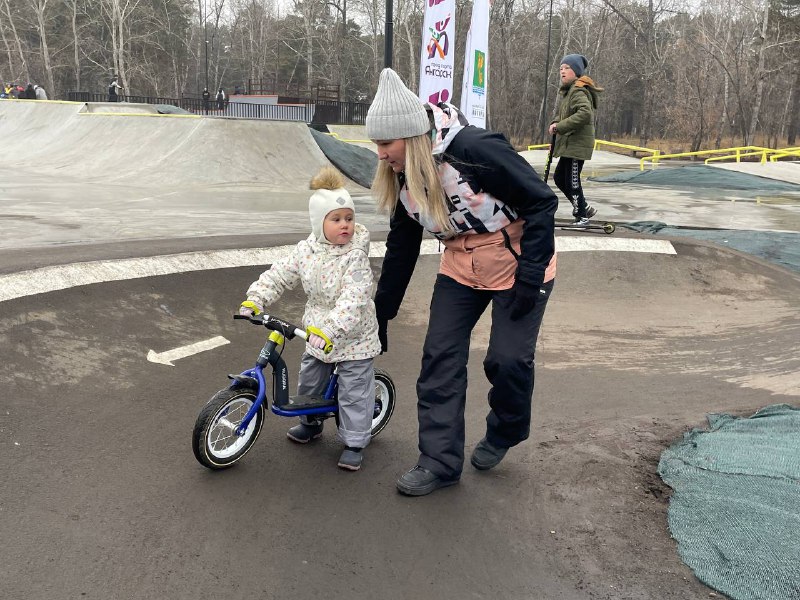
{"points": [[575, 124]]}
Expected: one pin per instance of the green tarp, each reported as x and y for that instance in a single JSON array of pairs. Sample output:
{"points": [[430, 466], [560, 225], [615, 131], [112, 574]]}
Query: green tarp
{"points": [[780, 247], [735, 510], [700, 176]]}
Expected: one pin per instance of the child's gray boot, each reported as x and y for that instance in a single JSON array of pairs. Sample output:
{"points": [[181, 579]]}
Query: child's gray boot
{"points": [[304, 433], [351, 459]]}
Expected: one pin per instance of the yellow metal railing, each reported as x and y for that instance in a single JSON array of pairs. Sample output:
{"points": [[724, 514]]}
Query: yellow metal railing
{"points": [[737, 156], [784, 152], [598, 143], [341, 139], [735, 153], [652, 151]]}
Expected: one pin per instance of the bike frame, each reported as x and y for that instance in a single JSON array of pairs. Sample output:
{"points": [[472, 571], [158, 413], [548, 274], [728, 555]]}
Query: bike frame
{"points": [[280, 377]]}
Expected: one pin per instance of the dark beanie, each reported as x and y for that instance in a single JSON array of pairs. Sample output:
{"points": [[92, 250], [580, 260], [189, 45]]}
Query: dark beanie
{"points": [[576, 62]]}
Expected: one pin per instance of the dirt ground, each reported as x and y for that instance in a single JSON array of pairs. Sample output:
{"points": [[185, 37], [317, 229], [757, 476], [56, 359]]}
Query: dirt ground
{"points": [[102, 497]]}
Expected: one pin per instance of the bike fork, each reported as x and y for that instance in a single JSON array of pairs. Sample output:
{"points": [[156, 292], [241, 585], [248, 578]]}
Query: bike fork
{"points": [[258, 375]]}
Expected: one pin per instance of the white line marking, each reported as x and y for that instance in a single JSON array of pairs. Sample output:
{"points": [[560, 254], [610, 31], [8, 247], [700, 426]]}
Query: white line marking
{"points": [[166, 357], [61, 277], [613, 244]]}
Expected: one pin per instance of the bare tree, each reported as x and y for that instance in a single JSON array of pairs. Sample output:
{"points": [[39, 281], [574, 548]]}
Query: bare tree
{"points": [[10, 20], [40, 10], [118, 14]]}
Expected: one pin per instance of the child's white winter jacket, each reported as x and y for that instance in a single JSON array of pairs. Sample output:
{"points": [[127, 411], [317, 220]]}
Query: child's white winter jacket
{"points": [[338, 282]]}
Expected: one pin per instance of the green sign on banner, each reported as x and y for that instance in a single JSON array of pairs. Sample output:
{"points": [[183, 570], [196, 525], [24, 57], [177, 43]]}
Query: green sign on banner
{"points": [[479, 72]]}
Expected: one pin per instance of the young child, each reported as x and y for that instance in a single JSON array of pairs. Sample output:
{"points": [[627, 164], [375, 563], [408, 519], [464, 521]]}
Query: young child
{"points": [[575, 130], [333, 266]]}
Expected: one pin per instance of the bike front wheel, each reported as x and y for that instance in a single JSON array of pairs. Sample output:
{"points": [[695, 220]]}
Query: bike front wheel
{"points": [[215, 442], [384, 401]]}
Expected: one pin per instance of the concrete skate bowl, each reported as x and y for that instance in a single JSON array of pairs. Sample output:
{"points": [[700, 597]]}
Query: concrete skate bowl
{"points": [[140, 147]]}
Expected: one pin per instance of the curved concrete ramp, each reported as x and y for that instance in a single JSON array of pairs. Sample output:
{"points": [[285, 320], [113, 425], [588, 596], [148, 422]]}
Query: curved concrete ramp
{"points": [[74, 175], [152, 149], [119, 108]]}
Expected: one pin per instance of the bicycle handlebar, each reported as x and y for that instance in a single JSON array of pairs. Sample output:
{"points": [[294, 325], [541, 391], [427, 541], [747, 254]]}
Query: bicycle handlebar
{"points": [[284, 328], [275, 324]]}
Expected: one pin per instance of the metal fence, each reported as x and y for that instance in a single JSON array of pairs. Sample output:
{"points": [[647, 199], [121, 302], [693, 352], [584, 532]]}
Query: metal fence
{"points": [[328, 112]]}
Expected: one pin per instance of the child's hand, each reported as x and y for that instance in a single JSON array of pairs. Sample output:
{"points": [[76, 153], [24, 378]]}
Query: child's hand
{"points": [[316, 338], [249, 308], [316, 342]]}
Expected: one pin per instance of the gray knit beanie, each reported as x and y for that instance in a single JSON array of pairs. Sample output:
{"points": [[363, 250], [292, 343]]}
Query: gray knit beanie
{"points": [[576, 62], [396, 112]]}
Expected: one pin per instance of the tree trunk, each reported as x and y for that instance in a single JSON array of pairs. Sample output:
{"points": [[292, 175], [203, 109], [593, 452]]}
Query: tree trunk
{"points": [[761, 77], [18, 42], [75, 45], [8, 53], [40, 6], [794, 116], [724, 116]]}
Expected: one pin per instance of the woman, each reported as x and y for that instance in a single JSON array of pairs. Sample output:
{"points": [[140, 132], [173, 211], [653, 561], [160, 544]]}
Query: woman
{"points": [[495, 216]]}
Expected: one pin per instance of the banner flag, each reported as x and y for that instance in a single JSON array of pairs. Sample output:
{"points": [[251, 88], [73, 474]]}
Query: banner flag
{"points": [[476, 66], [438, 47]]}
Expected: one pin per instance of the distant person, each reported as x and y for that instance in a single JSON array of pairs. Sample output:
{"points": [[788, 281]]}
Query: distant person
{"points": [[220, 99], [332, 266], [113, 90], [40, 93], [574, 131], [30, 93], [206, 100], [237, 90], [8, 90]]}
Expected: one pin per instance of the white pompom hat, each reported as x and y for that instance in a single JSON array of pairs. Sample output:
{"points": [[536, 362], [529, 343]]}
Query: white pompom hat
{"points": [[329, 195]]}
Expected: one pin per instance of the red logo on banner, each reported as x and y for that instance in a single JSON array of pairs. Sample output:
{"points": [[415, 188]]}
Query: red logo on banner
{"points": [[437, 97]]}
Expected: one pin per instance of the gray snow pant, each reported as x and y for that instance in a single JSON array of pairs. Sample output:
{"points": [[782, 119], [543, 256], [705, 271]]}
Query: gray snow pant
{"points": [[442, 384], [356, 395]]}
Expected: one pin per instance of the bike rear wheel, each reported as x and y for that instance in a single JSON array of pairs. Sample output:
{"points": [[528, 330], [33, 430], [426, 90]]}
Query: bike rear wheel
{"points": [[384, 401], [214, 441]]}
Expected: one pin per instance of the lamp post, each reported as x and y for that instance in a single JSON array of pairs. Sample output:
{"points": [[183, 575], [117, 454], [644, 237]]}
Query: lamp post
{"points": [[387, 36], [546, 73], [205, 37]]}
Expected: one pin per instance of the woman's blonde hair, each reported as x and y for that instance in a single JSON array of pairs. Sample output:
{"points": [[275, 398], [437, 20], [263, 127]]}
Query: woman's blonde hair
{"points": [[422, 179]]}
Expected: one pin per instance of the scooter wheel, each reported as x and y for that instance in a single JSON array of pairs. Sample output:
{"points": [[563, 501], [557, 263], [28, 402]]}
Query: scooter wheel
{"points": [[609, 227], [215, 442]]}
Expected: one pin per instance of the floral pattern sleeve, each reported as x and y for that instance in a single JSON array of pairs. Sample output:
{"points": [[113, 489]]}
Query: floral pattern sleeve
{"points": [[284, 274]]}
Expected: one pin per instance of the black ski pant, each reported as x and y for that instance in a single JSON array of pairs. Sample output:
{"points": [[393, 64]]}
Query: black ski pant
{"points": [[442, 384], [567, 178]]}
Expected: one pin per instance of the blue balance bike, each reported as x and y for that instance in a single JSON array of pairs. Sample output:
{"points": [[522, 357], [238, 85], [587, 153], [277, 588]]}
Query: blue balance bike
{"points": [[230, 422]]}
